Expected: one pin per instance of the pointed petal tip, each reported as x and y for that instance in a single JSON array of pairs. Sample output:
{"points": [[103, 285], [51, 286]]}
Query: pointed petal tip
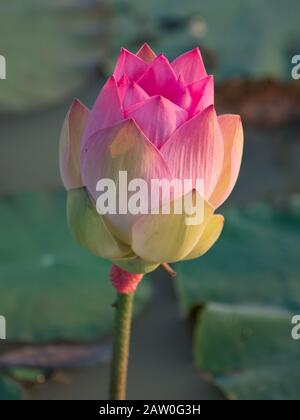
{"points": [[168, 117], [159, 99], [145, 45], [210, 108], [237, 116], [190, 64], [130, 122], [145, 49], [123, 81], [180, 78], [77, 105], [196, 50], [75, 102], [124, 51], [110, 82], [161, 56], [111, 79], [146, 53], [206, 112], [128, 125], [129, 64]]}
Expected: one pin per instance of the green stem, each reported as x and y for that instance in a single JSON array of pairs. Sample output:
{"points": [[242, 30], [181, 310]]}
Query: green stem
{"points": [[122, 329]]}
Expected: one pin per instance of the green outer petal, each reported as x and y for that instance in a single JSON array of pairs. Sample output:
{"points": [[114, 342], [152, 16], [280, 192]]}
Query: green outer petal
{"points": [[166, 237], [135, 264], [89, 229]]}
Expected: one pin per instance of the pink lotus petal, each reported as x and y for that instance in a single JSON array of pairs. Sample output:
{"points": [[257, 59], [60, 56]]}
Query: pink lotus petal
{"points": [[202, 94], [146, 53], [123, 84], [233, 138], [133, 95], [70, 143], [121, 148], [130, 65], [158, 118], [195, 150], [190, 65], [160, 79], [107, 110], [186, 99]]}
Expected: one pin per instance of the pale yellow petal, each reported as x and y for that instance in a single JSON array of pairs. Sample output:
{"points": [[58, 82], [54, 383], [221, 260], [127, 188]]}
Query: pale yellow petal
{"points": [[134, 264], [168, 237], [233, 139], [89, 229], [209, 236]]}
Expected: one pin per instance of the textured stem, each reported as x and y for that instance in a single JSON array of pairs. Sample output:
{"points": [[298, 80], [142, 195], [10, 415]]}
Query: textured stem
{"points": [[123, 317]]}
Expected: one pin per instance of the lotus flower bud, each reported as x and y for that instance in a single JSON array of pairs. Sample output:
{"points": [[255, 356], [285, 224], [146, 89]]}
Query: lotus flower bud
{"points": [[153, 120]]}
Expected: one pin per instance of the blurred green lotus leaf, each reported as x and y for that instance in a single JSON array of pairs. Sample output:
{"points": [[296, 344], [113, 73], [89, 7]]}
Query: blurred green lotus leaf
{"points": [[51, 289], [9, 389], [51, 47], [243, 295], [238, 37]]}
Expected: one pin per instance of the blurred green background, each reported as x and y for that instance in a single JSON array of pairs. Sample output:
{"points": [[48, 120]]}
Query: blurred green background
{"points": [[222, 329]]}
